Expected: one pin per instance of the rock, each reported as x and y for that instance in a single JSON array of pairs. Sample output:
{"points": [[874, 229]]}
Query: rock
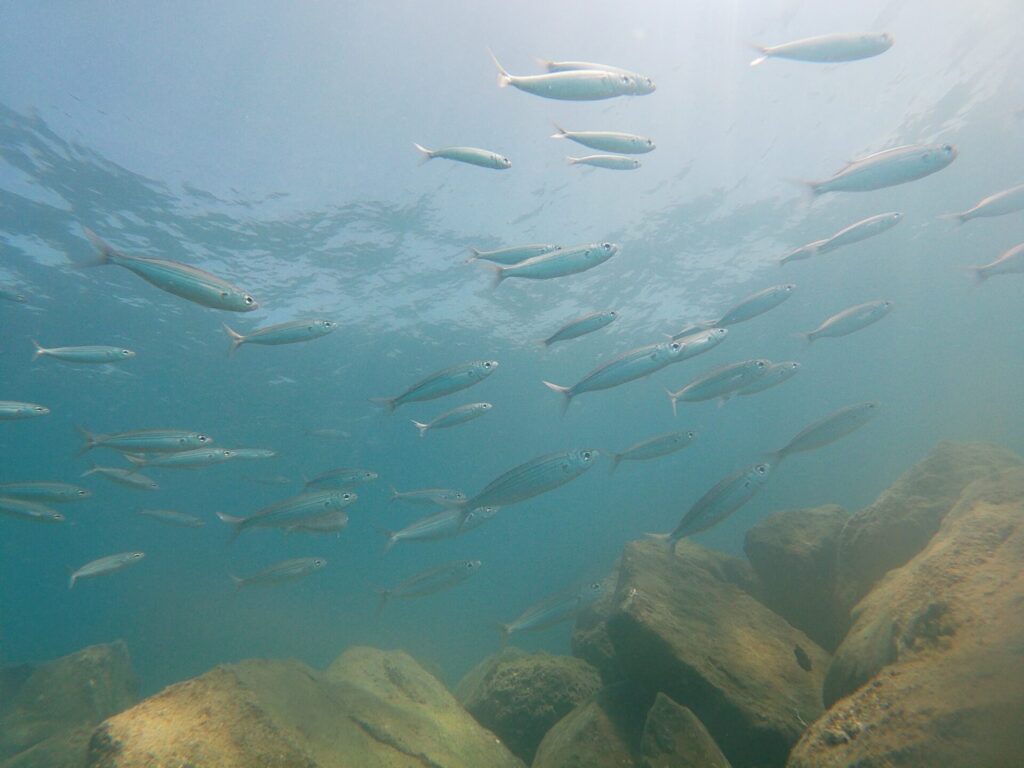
{"points": [[519, 696], [793, 553], [681, 629], [674, 738], [933, 668], [905, 517], [65, 749], [75, 691], [370, 709]]}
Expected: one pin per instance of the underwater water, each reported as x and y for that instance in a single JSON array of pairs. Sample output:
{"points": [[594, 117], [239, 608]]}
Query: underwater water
{"points": [[271, 144]]}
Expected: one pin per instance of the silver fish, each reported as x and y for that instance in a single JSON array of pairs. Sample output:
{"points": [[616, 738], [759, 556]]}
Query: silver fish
{"points": [[643, 84], [721, 382], [272, 480], [1008, 201], [471, 155], [887, 168], [607, 141], [172, 517], [441, 383], [454, 417], [827, 49], [58, 492], [430, 581], [567, 261], [850, 320], [653, 447], [328, 433], [286, 570], [513, 255], [105, 565], [1009, 262], [29, 510], [828, 429], [292, 332], [14, 409], [776, 374], [861, 230], [189, 283], [554, 609], [445, 524], [334, 522], [442, 497], [581, 326], [718, 503], [91, 354], [610, 162], [293, 511], [342, 477], [253, 453], [757, 304], [573, 85], [145, 440], [193, 459], [126, 477], [534, 477]]}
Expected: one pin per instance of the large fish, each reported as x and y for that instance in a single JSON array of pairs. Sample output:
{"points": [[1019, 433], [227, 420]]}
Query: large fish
{"points": [[29, 510], [575, 84], [554, 609], [454, 417], [173, 517], [776, 374], [292, 332], [104, 565], [643, 84], [534, 477], [887, 168], [755, 305], [445, 524], [441, 383], [721, 382], [610, 162], [827, 49], [15, 409], [278, 573], [718, 503], [441, 497], [1010, 262], [827, 430], [653, 447], [607, 141], [581, 326], [566, 261], [193, 459], [342, 477], [861, 230], [88, 354], [513, 255], [293, 511], [126, 477], [44, 491], [1001, 203], [430, 581], [470, 155], [850, 320], [145, 440]]}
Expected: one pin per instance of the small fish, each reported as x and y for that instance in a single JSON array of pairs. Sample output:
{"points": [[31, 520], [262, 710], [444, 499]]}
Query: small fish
{"points": [[512, 255], [126, 477], [441, 383], [471, 155], [83, 354], [272, 480], [692, 329], [607, 141], [850, 320], [827, 430], [105, 565], [13, 409], [861, 230], [653, 447], [573, 85], [611, 162], [430, 581], [193, 459], [827, 49], [29, 510], [56, 492], [755, 305], [171, 517], [567, 261], [293, 511], [581, 326], [442, 497], [253, 453], [887, 168], [292, 332], [643, 85], [10, 294], [554, 609], [721, 382], [328, 433], [286, 570], [445, 524], [1008, 201], [455, 416], [334, 522], [534, 477], [179, 279], [1010, 262], [802, 658], [776, 374], [145, 440], [342, 477]]}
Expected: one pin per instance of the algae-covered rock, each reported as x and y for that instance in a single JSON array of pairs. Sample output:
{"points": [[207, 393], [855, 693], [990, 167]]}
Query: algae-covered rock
{"points": [[903, 519], [371, 709], [520, 696], [65, 749], [933, 668], [793, 553], [680, 628], [674, 738]]}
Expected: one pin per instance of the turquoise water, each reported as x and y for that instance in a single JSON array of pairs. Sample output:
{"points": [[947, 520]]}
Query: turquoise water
{"points": [[272, 145]]}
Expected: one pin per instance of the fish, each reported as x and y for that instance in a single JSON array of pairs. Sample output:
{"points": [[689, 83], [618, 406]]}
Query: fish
{"points": [[534, 477], [291, 332], [286, 570], [333, 522], [295, 510], [430, 581], [1009, 262], [554, 609], [190, 283], [638, 363], [573, 85], [471, 155], [441, 383], [642, 83], [721, 382], [850, 320], [513, 255], [827, 49], [272, 480], [328, 433], [611, 162], [342, 477], [1001, 203], [15, 409], [755, 305], [193, 459], [127, 477], [10, 294], [692, 329], [29, 510], [442, 497], [581, 326], [607, 141], [861, 230], [104, 565], [445, 524], [776, 374], [253, 453], [724, 498], [653, 447], [93, 354], [145, 440], [454, 417], [55, 492], [567, 261], [802, 658], [827, 430], [172, 517], [887, 168]]}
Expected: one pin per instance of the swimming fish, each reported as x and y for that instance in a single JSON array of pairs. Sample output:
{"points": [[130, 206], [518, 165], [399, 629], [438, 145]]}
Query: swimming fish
{"points": [[1010, 262], [454, 417], [126, 477], [328, 433], [10, 294], [887, 168], [776, 374], [441, 383], [253, 453], [653, 447], [827, 49], [172, 517], [802, 658], [145, 440], [642, 84], [333, 522], [581, 326], [611, 162], [442, 497], [471, 155], [721, 382], [14, 409], [182, 280], [193, 459], [91, 354], [534, 477], [513, 255], [296, 510], [850, 320], [755, 305], [286, 570], [29, 510], [827, 430], [554, 609], [105, 565], [607, 141], [445, 524], [291, 332], [573, 85], [342, 477], [57, 492], [566, 261], [430, 581], [861, 230], [1001, 203]]}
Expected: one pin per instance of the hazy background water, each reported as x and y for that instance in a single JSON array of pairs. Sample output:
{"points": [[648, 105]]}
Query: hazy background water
{"points": [[271, 143]]}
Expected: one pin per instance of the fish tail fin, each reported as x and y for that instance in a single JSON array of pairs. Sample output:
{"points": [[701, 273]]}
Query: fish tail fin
{"points": [[236, 523], [545, 63], [811, 190], [71, 580], [806, 336], [425, 154], [566, 393], [387, 402], [723, 399], [760, 59], [803, 252], [475, 254], [573, 160], [90, 440], [104, 249], [382, 599], [560, 132], [506, 632], [978, 273], [394, 495], [90, 471], [421, 427], [497, 274], [389, 536], [673, 398], [959, 218], [237, 581], [616, 458], [504, 78], [542, 343], [236, 339]]}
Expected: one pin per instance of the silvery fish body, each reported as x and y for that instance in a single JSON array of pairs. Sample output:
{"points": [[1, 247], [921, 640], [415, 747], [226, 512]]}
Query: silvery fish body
{"points": [[146, 440], [642, 85], [611, 162], [828, 49], [471, 155], [293, 511], [193, 459], [172, 517], [11, 294], [430, 581], [758, 304], [189, 283], [534, 477], [721, 501], [332, 522], [441, 497], [88, 354], [888, 168], [286, 570], [581, 326], [573, 85], [561, 606], [608, 141], [454, 417], [776, 374], [653, 447], [105, 565], [445, 524], [343, 477], [1008, 201], [861, 230], [58, 492], [567, 261], [720, 382], [292, 332], [442, 383], [1010, 262], [253, 453], [850, 320], [513, 255], [828, 429], [127, 477], [29, 510], [15, 409]]}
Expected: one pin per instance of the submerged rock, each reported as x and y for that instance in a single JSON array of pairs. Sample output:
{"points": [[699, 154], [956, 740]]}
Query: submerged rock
{"points": [[674, 738], [932, 670], [793, 553], [521, 696]]}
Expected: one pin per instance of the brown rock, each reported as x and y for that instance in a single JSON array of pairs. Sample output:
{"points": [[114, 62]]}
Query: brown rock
{"points": [[674, 738]]}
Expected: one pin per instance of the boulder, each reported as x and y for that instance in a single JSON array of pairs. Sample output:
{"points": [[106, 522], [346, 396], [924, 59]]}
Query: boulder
{"points": [[680, 628], [674, 738], [370, 709], [793, 554], [932, 671], [905, 517], [519, 696]]}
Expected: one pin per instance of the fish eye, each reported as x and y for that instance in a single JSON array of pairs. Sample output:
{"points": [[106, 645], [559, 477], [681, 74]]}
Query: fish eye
{"points": [[203, 438], [39, 409], [947, 148], [691, 435], [487, 364], [613, 314], [586, 455], [761, 469], [125, 352], [249, 300], [675, 346], [228, 453], [82, 492], [625, 79], [606, 246]]}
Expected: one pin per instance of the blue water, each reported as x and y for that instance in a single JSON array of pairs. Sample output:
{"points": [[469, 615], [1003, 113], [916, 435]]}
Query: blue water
{"points": [[271, 144]]}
